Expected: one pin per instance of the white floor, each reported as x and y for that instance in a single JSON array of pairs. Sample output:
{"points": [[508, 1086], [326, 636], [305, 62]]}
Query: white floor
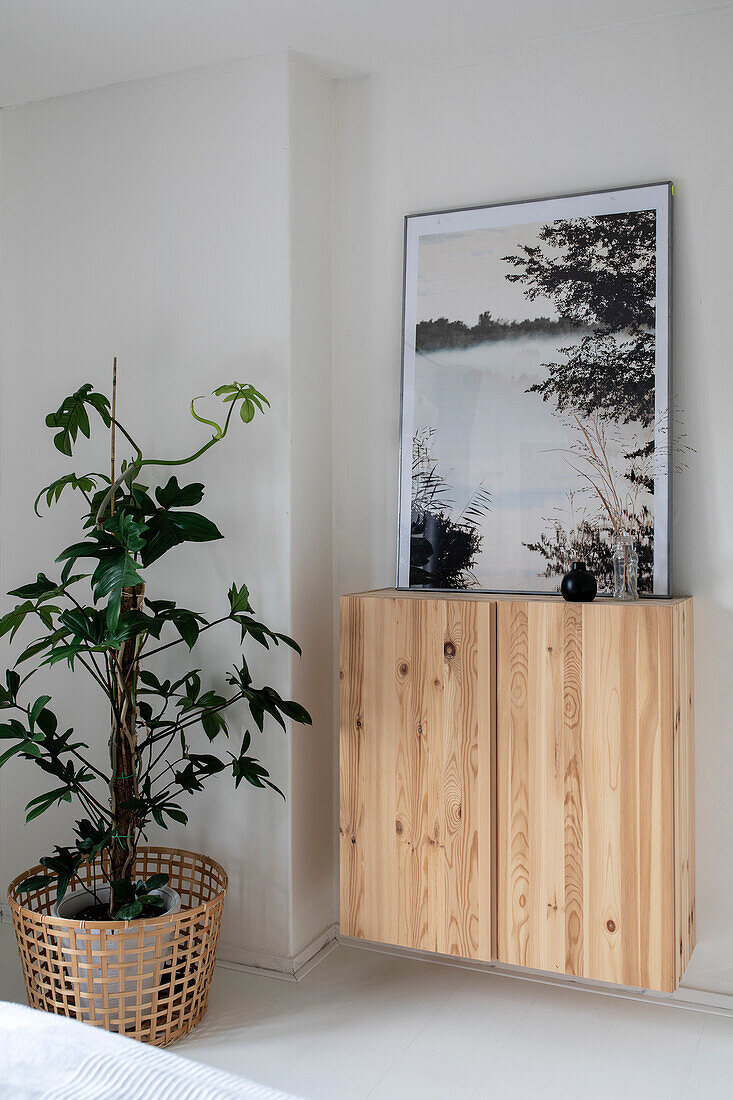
{"points": [[363, 1024]]}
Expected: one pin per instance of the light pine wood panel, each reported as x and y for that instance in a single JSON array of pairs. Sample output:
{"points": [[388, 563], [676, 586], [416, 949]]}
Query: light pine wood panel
{"points": [[587, 849], [684, 779], [416, 803]]}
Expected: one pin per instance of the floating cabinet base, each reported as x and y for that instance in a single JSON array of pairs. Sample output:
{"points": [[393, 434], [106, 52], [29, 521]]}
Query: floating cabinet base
{"points": [[517, 781]]}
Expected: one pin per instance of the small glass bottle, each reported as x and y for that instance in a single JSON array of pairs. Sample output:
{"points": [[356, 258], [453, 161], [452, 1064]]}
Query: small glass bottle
{"points": [[625, 569]]}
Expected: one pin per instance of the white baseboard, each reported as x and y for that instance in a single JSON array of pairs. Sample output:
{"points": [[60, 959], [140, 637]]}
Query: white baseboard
{"points": [[694, 1000], [289, 969]]}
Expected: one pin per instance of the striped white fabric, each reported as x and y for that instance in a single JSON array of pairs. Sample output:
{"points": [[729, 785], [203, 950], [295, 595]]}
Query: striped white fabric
{"points": [[46, 1057]]}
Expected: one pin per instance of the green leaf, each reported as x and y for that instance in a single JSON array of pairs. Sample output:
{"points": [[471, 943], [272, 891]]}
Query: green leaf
{"points": [[210, 698], [295, 711], [71, 417], [37, 647], [35, 882], [14, 619], [173, 495], [93, 839], [48, 723], [238, 599], [127, 530], [87, 549], [151, 680], [129, 912], [132, 623], [213, 722], [168, 529], [10, 752], [123, 891], [176, 813], [116, 570], [40, 587], [84, 622], [59, 792], [246, 767], [247, 394], [289, 642], [86, 483], [43, 802], [156, 901], [13, 728], [36, 709], [155, 882], [62, 885], [188, 628], [64, 653]]}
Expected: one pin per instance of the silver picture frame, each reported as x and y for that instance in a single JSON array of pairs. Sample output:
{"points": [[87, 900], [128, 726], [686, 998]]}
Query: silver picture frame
{"points": [[441, 226]]}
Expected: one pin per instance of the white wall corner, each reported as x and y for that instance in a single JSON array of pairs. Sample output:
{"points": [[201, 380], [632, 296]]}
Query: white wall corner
{"points": [[288, 967], [311, 136]]}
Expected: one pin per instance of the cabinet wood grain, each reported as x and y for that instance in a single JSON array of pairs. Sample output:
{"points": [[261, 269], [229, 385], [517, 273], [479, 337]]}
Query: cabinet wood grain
{"points": [[594, 789], [517, 781], [416, 800]]}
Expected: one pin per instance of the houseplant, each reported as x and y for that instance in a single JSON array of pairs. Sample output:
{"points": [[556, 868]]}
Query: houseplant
{"points": [[95, 615]]}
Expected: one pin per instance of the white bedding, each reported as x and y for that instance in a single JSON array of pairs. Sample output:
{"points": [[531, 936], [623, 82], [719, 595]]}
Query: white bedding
{"points": [[46, 1057]]}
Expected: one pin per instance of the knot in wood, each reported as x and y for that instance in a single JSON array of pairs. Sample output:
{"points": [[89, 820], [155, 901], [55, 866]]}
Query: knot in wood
{"points": [[403, 668], [611, 925], [449, 650]]}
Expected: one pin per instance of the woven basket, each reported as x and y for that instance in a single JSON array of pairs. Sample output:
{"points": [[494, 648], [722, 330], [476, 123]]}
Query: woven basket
{"points": [[148, 979]]}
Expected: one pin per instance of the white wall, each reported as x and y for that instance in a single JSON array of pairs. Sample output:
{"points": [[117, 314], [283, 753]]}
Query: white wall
{"points": [[634, 104], [184, 224], [159, 221]]}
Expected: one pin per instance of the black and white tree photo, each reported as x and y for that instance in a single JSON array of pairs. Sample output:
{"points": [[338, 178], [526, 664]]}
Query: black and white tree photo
{"points": [[530, 329]]}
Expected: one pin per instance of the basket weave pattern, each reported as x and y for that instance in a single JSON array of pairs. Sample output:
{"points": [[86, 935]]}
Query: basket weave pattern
{"points": [[148, 979]]}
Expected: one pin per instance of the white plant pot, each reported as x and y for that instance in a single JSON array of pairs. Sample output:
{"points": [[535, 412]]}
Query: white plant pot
{"points": [[115, 965]]}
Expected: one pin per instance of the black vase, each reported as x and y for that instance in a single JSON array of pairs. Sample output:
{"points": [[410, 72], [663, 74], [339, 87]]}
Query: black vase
{"points": [[579, 585]]}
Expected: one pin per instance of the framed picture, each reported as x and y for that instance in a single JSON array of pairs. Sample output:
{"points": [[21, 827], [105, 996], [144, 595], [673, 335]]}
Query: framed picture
{"points": [[535, 379]]}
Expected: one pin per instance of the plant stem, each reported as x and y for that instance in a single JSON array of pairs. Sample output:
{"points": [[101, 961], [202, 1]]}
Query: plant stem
{"points": [[211, 710], [177, 641], [124, 749], [91, 803], [112, 434]]}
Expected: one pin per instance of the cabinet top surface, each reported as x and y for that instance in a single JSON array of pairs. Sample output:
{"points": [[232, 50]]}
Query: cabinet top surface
{"points": [[519, 597]]}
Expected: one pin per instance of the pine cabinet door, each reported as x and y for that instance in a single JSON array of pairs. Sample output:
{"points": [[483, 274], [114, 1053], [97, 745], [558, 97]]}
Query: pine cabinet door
{"points": [[417, 688], [594, 789]]}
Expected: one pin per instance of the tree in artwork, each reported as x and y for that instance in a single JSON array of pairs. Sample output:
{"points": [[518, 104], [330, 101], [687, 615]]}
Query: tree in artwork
{"points": [[599, 272]]}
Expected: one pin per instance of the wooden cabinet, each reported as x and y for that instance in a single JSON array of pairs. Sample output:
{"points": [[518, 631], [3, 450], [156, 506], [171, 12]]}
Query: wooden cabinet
{"points": [[517, 781], [594, 780], [416, 826]]}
